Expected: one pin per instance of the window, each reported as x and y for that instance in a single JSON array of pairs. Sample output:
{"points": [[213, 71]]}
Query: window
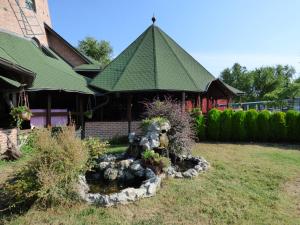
{"points": [[30, 4]]}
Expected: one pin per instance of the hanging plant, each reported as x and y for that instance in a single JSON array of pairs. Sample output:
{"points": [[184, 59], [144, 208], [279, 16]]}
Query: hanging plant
{"points": [[89, 114], [20, 114]]}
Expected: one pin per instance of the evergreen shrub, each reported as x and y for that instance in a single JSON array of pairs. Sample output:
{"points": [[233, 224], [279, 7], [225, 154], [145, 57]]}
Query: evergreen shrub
{"points": [[213, 128], [263, 125], [238, 127]]}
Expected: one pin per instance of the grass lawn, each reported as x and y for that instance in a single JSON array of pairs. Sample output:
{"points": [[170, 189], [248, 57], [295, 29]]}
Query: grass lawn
{"points": [[246, 184]]}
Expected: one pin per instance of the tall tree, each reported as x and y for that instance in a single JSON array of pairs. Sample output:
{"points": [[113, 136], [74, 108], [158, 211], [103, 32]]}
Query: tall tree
{"points": [[101, 51], [264, 83]]}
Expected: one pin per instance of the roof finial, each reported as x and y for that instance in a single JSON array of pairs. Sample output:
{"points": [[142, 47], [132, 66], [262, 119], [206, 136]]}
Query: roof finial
{"points": [[153, 19]]}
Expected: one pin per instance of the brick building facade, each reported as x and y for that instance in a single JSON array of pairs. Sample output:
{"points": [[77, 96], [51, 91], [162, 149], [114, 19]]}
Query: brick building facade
{"points": [[25, 17]]}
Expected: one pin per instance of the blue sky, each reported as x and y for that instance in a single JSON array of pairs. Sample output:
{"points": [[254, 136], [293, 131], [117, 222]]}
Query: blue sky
{"points": [[216, 32]]}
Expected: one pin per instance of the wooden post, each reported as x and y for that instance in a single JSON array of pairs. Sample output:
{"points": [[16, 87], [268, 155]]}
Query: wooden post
{"points": [[81, 118], [48, 116], [198, 101], [129, 113], [183, 101]]}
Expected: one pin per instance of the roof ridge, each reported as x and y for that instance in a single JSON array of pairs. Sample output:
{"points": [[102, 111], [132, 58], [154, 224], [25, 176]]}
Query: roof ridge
{"points": [[154, 56], [131, 57], [187, 72], [196, 61]]}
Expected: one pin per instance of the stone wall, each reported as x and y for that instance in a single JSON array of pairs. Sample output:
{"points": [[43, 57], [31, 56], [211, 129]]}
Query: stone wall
{"points": [[108, 130], [7, 133]]}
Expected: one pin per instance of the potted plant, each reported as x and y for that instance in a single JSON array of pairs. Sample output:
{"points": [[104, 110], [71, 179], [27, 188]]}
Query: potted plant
{"points": [[20, 114], [89, 114]]}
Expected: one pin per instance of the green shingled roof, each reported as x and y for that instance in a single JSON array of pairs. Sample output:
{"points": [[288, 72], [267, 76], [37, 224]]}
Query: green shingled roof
{"points": [[153, 62], [51, 73]]}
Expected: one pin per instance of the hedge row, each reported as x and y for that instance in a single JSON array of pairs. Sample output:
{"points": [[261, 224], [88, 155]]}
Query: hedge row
{"points": [[249, 125]]}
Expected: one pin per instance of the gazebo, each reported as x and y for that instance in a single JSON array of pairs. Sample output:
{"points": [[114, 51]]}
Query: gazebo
{"points": [[154, 65]]}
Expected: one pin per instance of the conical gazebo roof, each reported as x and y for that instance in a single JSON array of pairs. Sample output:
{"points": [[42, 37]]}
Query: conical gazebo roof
{"points": [[154, 61]]}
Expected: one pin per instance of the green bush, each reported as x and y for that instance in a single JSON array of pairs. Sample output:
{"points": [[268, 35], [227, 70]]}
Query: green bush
{"points": [[263, 125], [200, 127], [251, 125], [278, 126], [298, 125], [291, 125], [95, 149], [238, 127], [226, 125], [213, 128], [49, 179]]}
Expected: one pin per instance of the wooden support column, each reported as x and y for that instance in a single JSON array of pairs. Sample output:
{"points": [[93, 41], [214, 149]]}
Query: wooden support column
{"points": [[81, 117], [48, 116], [183, 101], [129, 113], [198, 101]]}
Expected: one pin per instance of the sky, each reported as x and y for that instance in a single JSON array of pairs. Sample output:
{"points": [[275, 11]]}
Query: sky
{"points": [[217, 33]]}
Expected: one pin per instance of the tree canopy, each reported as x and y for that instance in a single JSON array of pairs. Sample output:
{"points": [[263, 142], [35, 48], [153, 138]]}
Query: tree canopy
{"points": [[264, 83], [101, 51]]}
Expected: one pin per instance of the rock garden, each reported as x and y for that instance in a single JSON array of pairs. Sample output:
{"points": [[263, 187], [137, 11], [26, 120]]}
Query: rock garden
{"points": [[137, 173]]}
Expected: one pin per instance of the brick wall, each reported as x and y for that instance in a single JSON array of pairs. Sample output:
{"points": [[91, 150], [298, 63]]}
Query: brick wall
{"points": [[12, 134], [9, 22], [62, 49], [107, 130]]}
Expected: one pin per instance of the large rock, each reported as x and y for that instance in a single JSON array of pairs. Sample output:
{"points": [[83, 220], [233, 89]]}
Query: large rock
{"points": [[111, 174], [190, 173]]}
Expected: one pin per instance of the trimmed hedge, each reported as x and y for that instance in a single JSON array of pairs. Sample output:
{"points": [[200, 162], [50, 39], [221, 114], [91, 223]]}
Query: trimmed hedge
{"points": [[291, 125], [263, 127], [200, 127], [249, 126], [238, 128], [278, 126], [213, 124], [226, 124]]}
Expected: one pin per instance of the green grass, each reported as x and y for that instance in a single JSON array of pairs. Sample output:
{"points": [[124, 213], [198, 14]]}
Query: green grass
{"points": [[246, 184]]}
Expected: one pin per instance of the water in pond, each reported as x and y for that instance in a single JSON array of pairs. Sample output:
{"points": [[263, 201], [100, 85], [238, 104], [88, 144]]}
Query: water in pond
{"points": [[109, 187], [184, 165]]}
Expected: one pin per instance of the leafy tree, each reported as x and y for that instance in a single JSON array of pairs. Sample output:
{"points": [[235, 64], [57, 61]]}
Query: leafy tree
{"points": [[251, 124], [226, 125], [101, 51], [213, 127], [263, 125], [238, 127], [264, 83]]}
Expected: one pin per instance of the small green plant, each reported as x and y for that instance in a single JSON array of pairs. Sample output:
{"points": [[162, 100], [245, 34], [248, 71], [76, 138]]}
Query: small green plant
{"points": [[155, 161], [95, 148], [149, 154], [148, 121], [20, 114]]}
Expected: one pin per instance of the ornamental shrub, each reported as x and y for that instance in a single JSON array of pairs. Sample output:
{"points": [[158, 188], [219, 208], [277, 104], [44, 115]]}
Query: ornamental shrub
{"points": [[291, 125], [225, 125], [251, 125], [181, 135], [213, 124], [263, 125], [200, 127], [278, 126], [238, 131], [50, 178]]}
